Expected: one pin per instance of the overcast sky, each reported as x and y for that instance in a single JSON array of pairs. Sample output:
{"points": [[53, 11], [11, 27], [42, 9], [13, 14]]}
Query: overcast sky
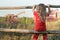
{"points": [[24, 3]]}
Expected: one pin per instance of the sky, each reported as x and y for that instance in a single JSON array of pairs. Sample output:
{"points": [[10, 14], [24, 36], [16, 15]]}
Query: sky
{"points": [[24, 3]]}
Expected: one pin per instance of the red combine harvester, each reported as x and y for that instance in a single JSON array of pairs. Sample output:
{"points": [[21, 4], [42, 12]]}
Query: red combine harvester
{"points": [[11, 18]]}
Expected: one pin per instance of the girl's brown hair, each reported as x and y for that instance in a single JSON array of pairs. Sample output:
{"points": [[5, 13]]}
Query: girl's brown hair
{"points": [[42, 8]]}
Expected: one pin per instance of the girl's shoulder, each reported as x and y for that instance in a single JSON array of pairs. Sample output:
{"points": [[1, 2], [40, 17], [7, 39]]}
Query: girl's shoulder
{"points": [[35, 12]]}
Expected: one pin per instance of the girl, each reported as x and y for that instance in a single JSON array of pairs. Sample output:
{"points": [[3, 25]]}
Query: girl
{"points": [[39, 12]]}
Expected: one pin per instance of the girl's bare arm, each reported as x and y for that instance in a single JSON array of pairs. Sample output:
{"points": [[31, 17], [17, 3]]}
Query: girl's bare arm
{"points": [[33, 9], [49, 10]]}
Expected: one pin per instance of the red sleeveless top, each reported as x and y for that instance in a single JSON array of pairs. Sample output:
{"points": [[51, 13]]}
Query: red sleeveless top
{"points": [[38, 19]]}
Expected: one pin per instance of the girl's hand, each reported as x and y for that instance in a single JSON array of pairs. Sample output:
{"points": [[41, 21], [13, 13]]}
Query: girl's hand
{"points": [[48, 5]]}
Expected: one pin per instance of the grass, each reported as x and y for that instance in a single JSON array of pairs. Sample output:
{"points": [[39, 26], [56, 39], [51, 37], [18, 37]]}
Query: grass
{"points": [[52, 25]]}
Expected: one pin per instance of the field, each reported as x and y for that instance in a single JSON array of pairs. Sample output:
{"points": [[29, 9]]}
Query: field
{"points": [[27, 23]]}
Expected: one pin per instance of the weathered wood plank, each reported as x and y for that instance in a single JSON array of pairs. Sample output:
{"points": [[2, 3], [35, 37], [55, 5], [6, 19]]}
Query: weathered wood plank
{"points": [[29, 31]]}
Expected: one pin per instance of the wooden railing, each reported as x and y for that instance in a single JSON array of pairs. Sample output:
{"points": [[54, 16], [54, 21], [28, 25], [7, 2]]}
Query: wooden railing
{"points": [[25, 7], [29, 31]]}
